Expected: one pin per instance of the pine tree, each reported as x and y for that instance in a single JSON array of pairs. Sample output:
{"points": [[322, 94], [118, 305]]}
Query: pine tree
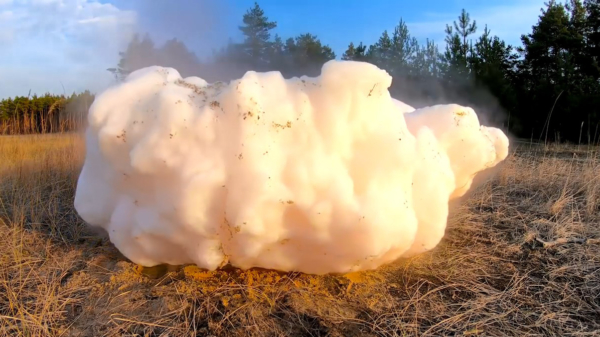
{"points": [[381, 53], [175, 54], [256, 30], [308, 54], [492, 64], [357, 53], [550, 70], [458, 46], [403, 50], [350, 53], [592, 32], [277, 57], [139, 54]]}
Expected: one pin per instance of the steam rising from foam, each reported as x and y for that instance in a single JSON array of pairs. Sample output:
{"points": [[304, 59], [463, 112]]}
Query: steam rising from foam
{"points": [[318, 175]]}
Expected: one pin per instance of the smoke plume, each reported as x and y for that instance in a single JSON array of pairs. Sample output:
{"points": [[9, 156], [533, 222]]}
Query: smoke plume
{"points": [[318, 175]]}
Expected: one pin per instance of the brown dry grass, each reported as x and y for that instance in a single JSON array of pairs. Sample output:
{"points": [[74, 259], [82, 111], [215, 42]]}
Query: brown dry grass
{"points": [[491, 275]]}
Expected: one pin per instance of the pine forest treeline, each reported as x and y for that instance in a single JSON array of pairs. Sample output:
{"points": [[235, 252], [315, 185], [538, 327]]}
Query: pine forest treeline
{"points": [[547, 88], [44, 114]]}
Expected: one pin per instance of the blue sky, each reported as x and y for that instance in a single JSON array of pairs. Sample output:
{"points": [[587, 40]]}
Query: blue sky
{"points": [[66, 45]]}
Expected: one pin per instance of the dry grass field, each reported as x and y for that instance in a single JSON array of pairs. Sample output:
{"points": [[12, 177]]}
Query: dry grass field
{"points": [[521, 257]]}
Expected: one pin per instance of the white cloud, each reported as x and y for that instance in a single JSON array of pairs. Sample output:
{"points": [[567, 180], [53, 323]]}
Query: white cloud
{"points": [[54, 41], [507, 21]]}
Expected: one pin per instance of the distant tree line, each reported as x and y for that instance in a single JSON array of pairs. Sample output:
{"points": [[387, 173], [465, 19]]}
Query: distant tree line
{"points": [[44, 114], [548, 88]]}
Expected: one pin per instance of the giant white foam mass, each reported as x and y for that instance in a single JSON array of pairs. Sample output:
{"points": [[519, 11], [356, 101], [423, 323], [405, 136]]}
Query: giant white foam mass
{"points": [[317, 175]]}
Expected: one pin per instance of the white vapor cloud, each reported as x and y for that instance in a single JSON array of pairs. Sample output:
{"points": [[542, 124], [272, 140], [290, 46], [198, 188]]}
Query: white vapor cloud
{"points": [[305, 174], [48, 42]]}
